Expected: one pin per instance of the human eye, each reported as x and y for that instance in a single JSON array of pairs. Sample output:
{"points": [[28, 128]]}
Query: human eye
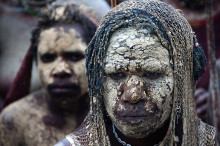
{"points": [[48, 57], [152, 75], [74, 56], [117, 76]]}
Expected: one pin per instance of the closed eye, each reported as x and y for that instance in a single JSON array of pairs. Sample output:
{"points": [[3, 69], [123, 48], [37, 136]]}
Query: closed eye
{"points": [[73, 56], [152, 75], [117, 76]]}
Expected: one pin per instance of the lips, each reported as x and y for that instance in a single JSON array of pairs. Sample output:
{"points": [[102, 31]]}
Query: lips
{"points": [[64, 89], [132, 117]]}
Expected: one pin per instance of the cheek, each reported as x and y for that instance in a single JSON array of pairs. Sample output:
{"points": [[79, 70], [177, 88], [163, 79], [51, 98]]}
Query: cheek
{"points": [[79, 71], [79, 68], [159, 92], [110, 96], [45, 72]]}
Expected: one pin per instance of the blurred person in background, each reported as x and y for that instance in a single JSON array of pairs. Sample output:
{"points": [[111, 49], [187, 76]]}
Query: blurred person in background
{"points": [[57, 45], [17, 19]]}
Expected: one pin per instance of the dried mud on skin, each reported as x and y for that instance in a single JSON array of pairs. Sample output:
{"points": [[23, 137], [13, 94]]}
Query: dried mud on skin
{"points": [[30, 120], [57, 41], [139, 81]]}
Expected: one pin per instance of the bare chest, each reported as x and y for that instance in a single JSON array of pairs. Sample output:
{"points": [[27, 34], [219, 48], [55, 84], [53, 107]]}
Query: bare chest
{"points": [[47, 129]]}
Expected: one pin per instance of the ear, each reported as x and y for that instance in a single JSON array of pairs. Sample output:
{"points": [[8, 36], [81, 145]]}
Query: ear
{"points": [[199, 60]]}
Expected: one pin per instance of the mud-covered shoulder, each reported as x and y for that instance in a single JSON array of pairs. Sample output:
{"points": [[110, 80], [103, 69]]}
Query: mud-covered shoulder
{"points": [[13, 118], [31, 101], [10, 132]]}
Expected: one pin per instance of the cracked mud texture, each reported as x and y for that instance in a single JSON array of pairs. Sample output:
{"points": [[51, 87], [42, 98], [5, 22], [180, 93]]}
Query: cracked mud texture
{"points": [[139, 82]]}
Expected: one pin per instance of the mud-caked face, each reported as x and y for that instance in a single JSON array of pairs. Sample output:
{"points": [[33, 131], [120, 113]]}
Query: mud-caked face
{"points": [[60, 62], [139, 82]]}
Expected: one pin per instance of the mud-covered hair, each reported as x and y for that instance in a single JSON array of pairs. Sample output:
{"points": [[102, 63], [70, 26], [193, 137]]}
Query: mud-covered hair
{"points": [[64, 14], [96, 51]]}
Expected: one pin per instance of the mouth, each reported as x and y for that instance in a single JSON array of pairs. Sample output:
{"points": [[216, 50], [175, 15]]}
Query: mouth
{"points": [[64, 89], [132, 117]]}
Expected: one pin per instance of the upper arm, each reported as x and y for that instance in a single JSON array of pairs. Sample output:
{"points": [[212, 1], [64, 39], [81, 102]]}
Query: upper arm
{"points": [[10, 133]]}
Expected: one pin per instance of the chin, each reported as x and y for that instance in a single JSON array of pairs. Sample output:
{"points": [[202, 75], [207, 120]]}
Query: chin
{"points": [[137, 135], [65, 99], [134, 131]]}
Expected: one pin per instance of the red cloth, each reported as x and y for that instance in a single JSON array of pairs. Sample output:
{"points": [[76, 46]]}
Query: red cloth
{"points": [[21, 84]]}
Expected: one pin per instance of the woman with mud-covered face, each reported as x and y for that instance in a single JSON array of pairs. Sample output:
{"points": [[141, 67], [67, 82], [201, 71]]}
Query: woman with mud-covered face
{"points": [[139, 82], [142, 66]]}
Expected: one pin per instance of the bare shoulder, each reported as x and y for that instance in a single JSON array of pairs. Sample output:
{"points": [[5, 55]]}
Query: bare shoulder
{"points": [[16, 113], [31, 101], [14, 118]]}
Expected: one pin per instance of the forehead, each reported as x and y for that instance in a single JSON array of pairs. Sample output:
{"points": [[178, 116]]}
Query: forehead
{"points": [[61, 38], [130, 46]]}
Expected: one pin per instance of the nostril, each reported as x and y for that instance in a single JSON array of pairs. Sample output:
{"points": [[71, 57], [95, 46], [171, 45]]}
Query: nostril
{"points": [[62, 74], [135, 99], [133, 96]]}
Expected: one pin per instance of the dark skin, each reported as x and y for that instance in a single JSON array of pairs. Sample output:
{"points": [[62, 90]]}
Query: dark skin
{"points": [[80, 112], [150, 140], [43, 118], [136, 110], [59, 96]]}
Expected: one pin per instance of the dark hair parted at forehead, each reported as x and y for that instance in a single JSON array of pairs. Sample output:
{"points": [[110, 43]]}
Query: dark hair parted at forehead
{"points": [[71, 14], [97, 49]]}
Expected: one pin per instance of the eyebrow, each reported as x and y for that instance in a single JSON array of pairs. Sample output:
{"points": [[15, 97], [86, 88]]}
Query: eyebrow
{"points": [[45, 52]]}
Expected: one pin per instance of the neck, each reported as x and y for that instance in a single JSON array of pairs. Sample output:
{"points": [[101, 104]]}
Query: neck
{"points": [[79, 107], [153, 139]]}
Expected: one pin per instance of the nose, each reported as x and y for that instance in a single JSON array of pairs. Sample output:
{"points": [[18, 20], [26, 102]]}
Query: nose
{"points": [[62, 70], [133, 90]]}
